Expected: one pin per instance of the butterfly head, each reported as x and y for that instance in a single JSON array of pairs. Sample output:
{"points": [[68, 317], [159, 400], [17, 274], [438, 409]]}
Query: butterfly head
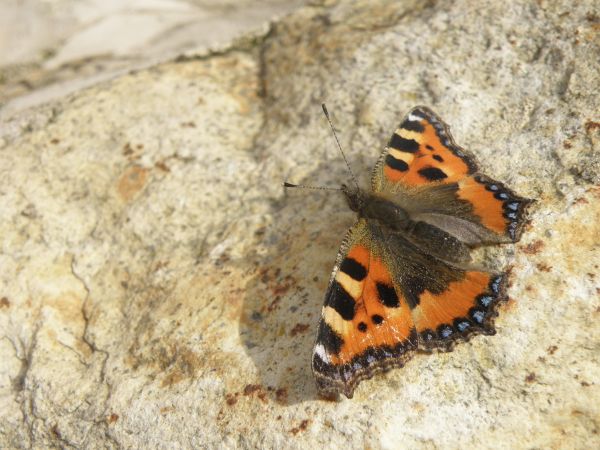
{"points": [[355, 197]]}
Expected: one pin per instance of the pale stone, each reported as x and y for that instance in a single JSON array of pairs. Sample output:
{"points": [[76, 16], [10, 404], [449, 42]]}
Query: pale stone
{"points": [[53, 48], [160, 290]]}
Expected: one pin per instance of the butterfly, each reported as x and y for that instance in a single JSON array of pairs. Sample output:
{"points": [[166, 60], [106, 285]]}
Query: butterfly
{"points": [[403, 279]]}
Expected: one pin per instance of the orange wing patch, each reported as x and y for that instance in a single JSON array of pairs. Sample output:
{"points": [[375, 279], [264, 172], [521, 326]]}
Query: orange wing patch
{"points": [[382, 318], [455, 302], [498, 208], [485, 205], [366, 326], [422, 151], [464, 306]]}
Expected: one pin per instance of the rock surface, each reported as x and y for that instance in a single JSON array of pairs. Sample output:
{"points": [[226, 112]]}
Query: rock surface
{"points": [[49, 49], [158, 289]]}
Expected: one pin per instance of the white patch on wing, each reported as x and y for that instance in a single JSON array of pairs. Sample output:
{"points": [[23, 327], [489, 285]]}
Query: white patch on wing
{"points": [[320, 351]]}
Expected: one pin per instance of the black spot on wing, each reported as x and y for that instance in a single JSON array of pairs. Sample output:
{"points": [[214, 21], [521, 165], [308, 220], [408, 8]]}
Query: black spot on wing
{"points": [[354, 269], [413, 287], [387, 295], [438, 158], [362, 327], [341, 301], [396, 164], [432, 173], [412, 125], [377, 319], [329, 338], [404, 145], [427, 336]]}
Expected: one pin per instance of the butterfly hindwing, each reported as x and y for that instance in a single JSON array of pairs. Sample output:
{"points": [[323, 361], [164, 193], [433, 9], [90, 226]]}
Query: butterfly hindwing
{"points": [[386, 299], [495, 207], [447, 302]]}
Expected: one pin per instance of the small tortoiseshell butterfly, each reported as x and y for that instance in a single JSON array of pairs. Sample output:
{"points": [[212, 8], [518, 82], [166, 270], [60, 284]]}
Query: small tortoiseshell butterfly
{"points": [[402, 280]]}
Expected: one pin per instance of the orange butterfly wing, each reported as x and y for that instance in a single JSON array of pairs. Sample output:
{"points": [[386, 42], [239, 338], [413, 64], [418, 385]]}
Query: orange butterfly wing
{"points": [[422, 151], [366, 326], [422, 161], [385, 302]]}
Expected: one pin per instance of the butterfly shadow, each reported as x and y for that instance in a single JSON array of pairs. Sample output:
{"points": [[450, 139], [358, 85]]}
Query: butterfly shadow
{"points": [[283, 300]]}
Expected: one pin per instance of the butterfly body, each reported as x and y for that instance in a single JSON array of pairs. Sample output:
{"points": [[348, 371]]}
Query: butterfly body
{"points": [[378, 208], [403, 279]]}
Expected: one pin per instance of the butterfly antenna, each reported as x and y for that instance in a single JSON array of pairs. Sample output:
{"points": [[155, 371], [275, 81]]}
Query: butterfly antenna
{"points": [[338, 144], [303, 186]]}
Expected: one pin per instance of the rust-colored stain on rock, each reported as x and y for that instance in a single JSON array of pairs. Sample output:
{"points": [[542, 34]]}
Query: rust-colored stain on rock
{"points": [[251, 388], [591, 126], [185, 365], [302, 427], [281, 395], [533, 248], [162, 166], [131, 182], [543, 267], [509, 305], [552, 349], [166, 409], [299, 328], [231, 399]]}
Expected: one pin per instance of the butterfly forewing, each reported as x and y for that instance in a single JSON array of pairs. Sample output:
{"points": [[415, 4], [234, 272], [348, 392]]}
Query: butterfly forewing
{"points": [[439, 183], [366, 325]]}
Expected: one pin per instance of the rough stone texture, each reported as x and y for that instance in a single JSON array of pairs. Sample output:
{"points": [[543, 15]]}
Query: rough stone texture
{"points": [[49, 49], [160, 290]]}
